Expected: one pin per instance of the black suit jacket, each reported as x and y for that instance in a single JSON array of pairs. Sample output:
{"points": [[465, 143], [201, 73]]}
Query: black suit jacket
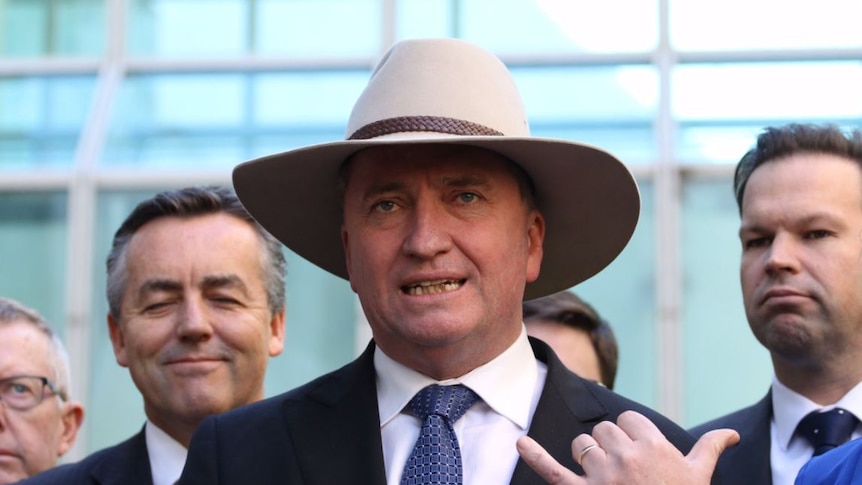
{"points": [[127, 463], [748, 462], [328, 431]]}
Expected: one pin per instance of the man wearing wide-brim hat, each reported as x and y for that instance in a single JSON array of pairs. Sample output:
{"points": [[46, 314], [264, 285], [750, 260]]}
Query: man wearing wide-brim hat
{"points": [[444, 214]]}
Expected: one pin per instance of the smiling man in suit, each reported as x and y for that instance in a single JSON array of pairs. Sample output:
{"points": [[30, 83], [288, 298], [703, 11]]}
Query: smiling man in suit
{"points": [[196, 296]]}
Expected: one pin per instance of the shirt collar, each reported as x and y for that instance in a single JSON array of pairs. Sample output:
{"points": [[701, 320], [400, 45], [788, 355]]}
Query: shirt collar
{"points": [[789, 407], [167, 455], [504, 384]]}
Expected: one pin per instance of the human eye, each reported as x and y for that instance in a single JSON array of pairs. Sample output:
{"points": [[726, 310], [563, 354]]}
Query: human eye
{"points": [[384, 206], [468, 197], [818, 234], [755, 242], [20, 389]]}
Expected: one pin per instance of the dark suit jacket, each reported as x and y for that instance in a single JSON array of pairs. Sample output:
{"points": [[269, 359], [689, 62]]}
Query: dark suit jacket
{"points": [[124, 464], [748, 462], [328, 431]]}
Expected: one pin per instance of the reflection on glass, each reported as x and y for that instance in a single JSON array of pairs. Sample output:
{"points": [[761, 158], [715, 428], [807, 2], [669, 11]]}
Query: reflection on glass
{"points": [[536, 26], [33, 240], [764, 24], [188, 27], [318, 28], [211, 120], [41, 119], [35, 28], [611, 107], [720, 107]]}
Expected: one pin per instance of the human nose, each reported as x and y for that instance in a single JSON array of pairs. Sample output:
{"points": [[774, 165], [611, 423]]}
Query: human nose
{"points": [[427, 235], [194, 321], [781, 255]]}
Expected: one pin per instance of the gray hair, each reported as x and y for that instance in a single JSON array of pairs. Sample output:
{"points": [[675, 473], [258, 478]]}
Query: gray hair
{"points": [[187, 203], [12, 311]]}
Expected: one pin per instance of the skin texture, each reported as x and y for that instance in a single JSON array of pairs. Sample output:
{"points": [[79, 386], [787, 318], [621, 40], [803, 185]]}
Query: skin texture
{"points": [[31, 441], [801, 271], [431, 214], [572, 345], [195, 329], [631, 452]]}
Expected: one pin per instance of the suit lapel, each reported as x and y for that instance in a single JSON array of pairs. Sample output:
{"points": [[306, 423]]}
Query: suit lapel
{"points": [[748, 462], [337, 429], [566, 409], [127, 464]]}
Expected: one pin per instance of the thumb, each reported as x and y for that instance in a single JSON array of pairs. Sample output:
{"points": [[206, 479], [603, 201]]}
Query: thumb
{"points": [[710, 446]]}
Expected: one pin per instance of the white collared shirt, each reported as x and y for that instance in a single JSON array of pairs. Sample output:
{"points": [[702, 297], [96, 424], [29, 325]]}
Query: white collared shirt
{"points": [[167, 455], [510, 387], [789, 452]]}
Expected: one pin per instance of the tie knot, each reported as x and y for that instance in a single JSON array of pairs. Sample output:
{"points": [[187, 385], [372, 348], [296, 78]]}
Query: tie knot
{"points": [[451, 402], [827, 430]]}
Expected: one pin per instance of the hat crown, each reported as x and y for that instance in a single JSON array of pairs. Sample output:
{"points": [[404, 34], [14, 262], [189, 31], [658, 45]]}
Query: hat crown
{"points": [[450, 80]]}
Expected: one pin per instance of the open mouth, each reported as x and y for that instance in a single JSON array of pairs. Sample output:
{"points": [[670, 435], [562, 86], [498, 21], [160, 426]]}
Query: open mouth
{"points": [[432, 287]]}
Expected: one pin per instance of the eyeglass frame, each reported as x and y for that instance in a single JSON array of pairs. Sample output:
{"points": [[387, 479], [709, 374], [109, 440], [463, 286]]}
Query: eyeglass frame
{"points": [[55, 390]]}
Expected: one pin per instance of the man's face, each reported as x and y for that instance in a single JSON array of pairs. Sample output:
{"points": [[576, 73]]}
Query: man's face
{"points": [[801, 270], [195, 329], [31, 440], [440, 245]]}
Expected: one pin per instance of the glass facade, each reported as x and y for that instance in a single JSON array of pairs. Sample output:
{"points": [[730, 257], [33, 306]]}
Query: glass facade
{"points": [[104, 102]]}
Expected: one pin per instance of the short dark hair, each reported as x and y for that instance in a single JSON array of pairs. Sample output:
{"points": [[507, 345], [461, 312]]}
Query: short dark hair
{"points": [[781, 141], [193, 202], [568, 309]]}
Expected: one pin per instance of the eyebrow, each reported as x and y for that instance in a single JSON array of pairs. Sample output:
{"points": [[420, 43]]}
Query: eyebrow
{"points": [[209, 282]]}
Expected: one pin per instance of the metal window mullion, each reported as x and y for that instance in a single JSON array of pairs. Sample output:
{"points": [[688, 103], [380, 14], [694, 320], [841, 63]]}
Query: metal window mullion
{"points": [[668, 284]]}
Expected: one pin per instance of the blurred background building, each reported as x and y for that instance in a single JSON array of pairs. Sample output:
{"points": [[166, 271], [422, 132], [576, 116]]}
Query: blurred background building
{"points": [[104, 102]]}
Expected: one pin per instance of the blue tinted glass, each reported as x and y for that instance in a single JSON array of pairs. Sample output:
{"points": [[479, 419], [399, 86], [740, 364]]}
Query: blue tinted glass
{"points": [[33, 242], [318, 27], [188, 27], [764, 24], [630, 279], [546, 26], [209, 120], [33, 28], [713, 317], [721, 107], [611, 107], [42, 118]]}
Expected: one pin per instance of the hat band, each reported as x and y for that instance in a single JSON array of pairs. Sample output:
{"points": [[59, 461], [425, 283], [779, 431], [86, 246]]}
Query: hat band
{"points": [[436, 124]]}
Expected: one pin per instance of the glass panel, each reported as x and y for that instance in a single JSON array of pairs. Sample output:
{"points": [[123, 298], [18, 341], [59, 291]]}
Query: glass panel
{"points": [[764, 24], [610, 107], [41, 119], [171, 120], [713, 316], [320, 333], [721, 107], [33, 242], [188, 27], [319, 27], [631, 279], [546, 26], [32, 28]]}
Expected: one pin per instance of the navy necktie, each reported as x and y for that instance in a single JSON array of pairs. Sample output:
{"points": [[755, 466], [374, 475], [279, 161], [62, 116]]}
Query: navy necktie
{"points": [[828, 430], [436, 458]]}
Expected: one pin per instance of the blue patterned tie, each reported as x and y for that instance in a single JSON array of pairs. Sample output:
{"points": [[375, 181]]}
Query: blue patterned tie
{"points": [[828, 430], [436, 458]]}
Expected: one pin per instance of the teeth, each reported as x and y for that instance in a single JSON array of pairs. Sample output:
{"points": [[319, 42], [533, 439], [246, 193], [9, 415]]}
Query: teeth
{"points": [[431, 287]]}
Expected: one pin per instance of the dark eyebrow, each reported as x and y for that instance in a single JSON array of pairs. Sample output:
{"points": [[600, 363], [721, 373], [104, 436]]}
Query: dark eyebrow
{"points": [[466, 181], [159, 285], [382, 188]]}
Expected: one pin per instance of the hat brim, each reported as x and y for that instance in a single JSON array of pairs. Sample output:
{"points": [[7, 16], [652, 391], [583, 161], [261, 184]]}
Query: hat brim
{"points": [[589, 200]]}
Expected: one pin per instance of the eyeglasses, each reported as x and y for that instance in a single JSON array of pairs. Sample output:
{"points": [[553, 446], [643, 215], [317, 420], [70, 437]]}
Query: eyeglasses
{"points": [[26, 392]]}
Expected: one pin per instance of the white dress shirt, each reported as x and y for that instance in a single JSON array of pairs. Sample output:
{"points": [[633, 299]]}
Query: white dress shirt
{"points": [[167, 455], [789, 452], [509, 385]]}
